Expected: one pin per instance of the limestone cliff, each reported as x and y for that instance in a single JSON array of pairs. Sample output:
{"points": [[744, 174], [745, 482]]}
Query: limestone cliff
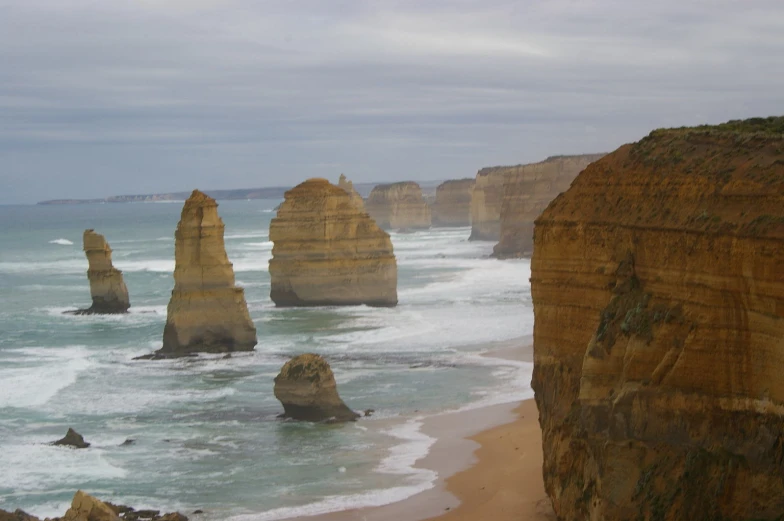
{"points": [[399, 206], [486, 199], [658, 289], [348, 186], [207, 312], [452, 206], [327, 251], [107, 287], [528, 189], [306, 387]]}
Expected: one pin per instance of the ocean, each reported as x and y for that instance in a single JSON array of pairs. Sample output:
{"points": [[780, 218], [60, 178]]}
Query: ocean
{"points": [[205, 430]]}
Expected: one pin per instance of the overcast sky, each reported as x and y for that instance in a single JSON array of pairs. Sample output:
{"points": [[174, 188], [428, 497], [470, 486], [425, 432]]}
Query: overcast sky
{"points": [[106, 97]]}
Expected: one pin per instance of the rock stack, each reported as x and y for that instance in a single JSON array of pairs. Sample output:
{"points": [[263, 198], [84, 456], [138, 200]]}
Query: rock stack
{"points": [[348, 186], [328, 252], [207, 312], [107, 287], [306, 387], [452, 206], [399, 206], [658, 290], [528, 189]]}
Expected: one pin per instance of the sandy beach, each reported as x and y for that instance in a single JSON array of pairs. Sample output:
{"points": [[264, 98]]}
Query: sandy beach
{"points": [[489, 462]]}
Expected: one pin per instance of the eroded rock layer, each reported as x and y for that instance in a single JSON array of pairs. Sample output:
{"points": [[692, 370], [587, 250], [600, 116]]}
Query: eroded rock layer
{"points": [[107, 287], [527, 191], [348, 186], [486, 199], [658, 290], [207, 312], [327, 251], [452, 206], [399, 206], [307, 390]]}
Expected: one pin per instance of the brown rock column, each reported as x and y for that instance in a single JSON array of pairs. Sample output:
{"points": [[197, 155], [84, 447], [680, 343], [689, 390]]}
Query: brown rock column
{"points": [[328, 251], [453, 203], [207, 312], [399, 206], [107, 287]]}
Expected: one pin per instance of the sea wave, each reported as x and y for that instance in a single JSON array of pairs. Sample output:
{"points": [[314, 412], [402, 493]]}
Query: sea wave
{"points": [[61, 241]]}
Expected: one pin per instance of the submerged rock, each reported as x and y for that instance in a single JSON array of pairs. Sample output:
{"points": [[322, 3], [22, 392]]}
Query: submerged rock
{"points": [[328, 251], [399, 205], [72, 439], [206, 312], [306, 387], [657, 281], [107, 287]]}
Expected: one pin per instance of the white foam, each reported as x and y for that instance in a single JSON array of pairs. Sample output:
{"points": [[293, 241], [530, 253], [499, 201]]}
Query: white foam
{"points": [[64, 242]]}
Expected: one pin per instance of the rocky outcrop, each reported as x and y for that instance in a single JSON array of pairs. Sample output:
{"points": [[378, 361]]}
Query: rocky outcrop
{"points": [[87, 508], [527, 191], [207, 312], [72, 439], [452, 206], [107, 287], [348, 186], [399, 206], [486, 199], [306, 387], [328, 252], [658, 289]]}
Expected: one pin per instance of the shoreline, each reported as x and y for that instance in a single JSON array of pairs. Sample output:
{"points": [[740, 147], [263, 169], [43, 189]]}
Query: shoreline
{"points": [[466, 444]]}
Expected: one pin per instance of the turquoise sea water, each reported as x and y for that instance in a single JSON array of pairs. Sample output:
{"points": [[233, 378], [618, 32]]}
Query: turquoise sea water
{"points": [[206, 430]]}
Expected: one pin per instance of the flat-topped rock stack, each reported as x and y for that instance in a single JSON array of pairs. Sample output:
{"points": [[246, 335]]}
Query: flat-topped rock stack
{"points": [[658, 290], [399, 206], [527, 191], [328, 251], [207, 311], [452, 206], [107, 287]]}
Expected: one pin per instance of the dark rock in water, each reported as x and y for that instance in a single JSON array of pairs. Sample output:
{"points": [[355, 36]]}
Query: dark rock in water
{"points": [[369, 412], [306, 387], [72, 439], [202, 511], [16, 515], [129, 441]]}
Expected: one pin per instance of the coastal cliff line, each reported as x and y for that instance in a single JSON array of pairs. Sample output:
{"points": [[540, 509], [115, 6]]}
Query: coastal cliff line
{"points": [[658, 289], [399, 206]]}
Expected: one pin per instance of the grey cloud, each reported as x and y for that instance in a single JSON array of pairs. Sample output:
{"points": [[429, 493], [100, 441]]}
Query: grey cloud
{"points": [[119, 97]]}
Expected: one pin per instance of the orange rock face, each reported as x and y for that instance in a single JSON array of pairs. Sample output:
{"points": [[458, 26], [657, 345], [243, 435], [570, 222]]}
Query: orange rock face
{"points": [[528, 189], [207, 312], [107, 287], [658, 289], [399, 206], [328, 251], [452, 206]]}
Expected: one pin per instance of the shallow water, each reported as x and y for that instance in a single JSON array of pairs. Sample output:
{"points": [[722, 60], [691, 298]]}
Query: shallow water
{"points": [[205, 430]]}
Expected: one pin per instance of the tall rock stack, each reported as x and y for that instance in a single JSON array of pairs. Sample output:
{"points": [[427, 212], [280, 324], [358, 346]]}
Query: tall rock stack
{"points": [[486, 199], [328, 252], [399, 206], [207, 312], [528, 189], [348, 186], [107, 287], [452, 206], [658, 289]]}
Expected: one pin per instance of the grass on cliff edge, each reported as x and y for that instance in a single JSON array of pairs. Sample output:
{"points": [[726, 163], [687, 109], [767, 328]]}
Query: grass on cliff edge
{"points": [[772, 126]]}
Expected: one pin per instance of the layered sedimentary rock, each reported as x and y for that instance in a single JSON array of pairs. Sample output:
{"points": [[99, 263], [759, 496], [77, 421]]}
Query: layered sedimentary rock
{"points": [[658, 290], [207, 312], [399, 206], [107, 287], [306, 387], [348, 186], [486, 199], [527, 191], [328, 252], [452, 206]]}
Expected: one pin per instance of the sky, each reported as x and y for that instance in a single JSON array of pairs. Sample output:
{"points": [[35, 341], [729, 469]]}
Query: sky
{"points": [[109, 97]]}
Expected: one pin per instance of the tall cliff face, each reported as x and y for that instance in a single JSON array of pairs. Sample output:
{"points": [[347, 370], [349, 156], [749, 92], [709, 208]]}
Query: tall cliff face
{"points": [[107, 287], [207, 312], [658, 289], [527, 191], [486, 199], [327, 251], [399, 206], [452, 206]]}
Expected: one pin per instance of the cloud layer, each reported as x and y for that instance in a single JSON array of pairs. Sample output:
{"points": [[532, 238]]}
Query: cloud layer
{"points": [[137, 96]]}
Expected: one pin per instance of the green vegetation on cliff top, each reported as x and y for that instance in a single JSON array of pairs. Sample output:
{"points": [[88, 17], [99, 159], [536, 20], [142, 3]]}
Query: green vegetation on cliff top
{"points": [[772, 126]]}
